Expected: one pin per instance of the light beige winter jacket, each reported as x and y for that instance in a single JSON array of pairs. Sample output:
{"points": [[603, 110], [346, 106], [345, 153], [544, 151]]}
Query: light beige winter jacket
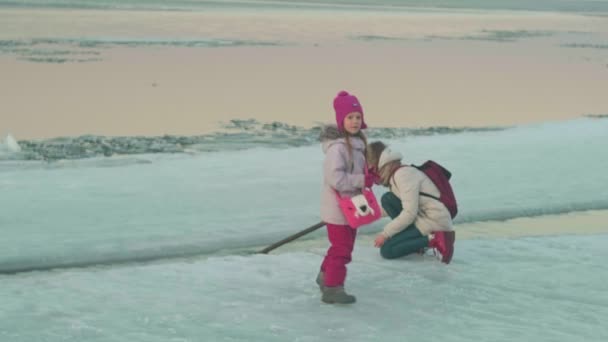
{"points": [[426, 213]]}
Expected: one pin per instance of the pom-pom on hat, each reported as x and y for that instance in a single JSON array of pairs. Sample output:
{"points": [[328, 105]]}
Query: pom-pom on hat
{"points": [[344, 104]]}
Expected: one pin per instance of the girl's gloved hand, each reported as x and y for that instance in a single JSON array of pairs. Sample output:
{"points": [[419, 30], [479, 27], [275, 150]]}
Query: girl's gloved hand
{"points": [[370, 179]]}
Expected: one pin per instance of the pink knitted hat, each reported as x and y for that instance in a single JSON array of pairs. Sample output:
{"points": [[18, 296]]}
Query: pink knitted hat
{"points": [[344, 104]]}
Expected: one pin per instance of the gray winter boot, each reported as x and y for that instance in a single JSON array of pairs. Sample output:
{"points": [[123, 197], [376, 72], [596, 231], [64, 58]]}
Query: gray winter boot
{"points": [[321, 280], [337, 295]]}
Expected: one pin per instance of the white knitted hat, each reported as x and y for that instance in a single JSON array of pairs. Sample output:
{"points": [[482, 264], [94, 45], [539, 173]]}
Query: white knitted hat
{"points": [[388, 156]]}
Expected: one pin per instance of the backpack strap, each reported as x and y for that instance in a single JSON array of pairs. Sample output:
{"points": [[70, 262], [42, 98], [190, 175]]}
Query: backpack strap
{"points": [[392, 176], [429, 195]]}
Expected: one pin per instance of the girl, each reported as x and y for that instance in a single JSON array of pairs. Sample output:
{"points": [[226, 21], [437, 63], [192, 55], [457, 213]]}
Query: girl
{"points": [[418, 221], [343, 173]]}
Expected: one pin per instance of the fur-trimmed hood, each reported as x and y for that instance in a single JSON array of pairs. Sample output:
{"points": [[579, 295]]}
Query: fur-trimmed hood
{"points": [[331, 135], [331, 132]]}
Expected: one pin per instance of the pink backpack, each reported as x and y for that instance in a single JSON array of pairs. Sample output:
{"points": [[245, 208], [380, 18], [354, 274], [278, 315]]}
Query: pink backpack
{"points": [[360, 209]]}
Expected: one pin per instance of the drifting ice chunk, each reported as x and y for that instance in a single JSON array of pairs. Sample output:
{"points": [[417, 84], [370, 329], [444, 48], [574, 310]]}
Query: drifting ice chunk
{"points": [[11, 145]]}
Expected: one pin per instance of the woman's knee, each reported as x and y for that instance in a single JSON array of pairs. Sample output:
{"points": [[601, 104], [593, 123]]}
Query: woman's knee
{"points": [[388, 199], [387, 253], [391, 204]]}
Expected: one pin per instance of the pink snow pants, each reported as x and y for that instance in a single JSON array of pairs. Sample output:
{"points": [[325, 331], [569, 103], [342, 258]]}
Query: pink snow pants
{"points": [[342, 240]]}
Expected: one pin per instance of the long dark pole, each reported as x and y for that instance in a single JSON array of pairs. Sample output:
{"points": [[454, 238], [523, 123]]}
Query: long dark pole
{"points": [[292, 237]]}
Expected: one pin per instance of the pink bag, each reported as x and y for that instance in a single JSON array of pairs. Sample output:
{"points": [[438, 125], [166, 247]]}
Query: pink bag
{"points": [[360, 209]]}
